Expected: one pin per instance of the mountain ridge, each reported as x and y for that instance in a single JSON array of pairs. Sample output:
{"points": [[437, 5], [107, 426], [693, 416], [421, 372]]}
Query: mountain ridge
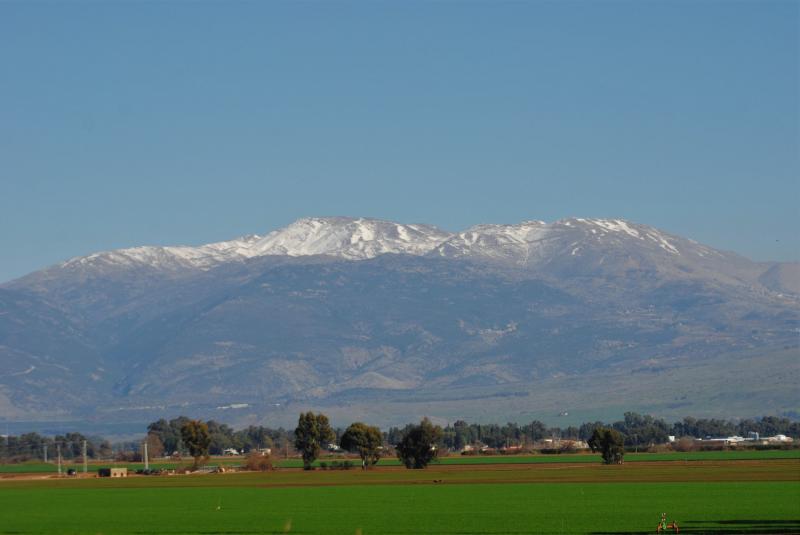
{"points": [[362, 238]]}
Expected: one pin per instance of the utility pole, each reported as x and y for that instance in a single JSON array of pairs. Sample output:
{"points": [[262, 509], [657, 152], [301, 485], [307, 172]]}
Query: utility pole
{"points": [[58, 449], [146, 460], [85, 467], [45, 452]]}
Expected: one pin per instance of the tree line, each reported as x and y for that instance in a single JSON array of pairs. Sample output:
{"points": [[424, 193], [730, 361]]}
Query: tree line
{"points": [[637, 430], [69, 445], [167, 439], [313, 433]]}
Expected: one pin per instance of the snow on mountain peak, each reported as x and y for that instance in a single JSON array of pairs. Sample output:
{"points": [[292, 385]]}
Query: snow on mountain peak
{"points": [[343, 237], [350, 238], [516, 243], [170, 257], [601, 228], [527, 242]]}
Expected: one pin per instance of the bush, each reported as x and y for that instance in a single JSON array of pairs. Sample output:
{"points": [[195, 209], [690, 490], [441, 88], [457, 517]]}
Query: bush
{"points": [[684, 444], [336, 465], [258, 462], [568, 446]]}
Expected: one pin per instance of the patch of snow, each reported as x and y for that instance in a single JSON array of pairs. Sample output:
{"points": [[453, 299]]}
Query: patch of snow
{"points": [[23, 372], [233, 406], [613, 225], [663, 242], [518, 243]]}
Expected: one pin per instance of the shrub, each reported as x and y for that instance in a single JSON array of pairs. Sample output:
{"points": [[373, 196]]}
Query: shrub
{"points": [[344, 465], [258, 462]]}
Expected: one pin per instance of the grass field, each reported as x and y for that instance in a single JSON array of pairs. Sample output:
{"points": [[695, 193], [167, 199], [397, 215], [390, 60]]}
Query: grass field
{"points": [[710, 496]]}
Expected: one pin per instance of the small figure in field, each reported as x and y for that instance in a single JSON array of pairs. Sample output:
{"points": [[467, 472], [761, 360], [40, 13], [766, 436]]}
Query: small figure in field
{"points": [[664, 525]]}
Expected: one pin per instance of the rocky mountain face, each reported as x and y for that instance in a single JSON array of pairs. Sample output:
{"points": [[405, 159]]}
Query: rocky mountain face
{"points": [[387, 322]]}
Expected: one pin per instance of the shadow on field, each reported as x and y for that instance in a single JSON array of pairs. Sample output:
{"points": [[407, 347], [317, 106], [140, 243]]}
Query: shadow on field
{"points": [[727, 527]]}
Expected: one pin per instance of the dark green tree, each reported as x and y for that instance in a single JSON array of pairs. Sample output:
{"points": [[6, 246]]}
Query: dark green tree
{"points": [[312, 431], [420, 444], [610, 444], [365, 440], [169, 433], [196, 438]]}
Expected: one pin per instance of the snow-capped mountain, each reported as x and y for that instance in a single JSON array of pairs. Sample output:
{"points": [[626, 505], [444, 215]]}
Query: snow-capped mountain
{"points": [[355, 313], [523, 244]]}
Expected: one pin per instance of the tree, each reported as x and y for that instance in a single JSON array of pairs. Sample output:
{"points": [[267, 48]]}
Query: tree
{"points": [[610, 444], [419, 445], [365, 440], [196, 438], [105, 450], [169, 433], [155, 448], [312, 431]]}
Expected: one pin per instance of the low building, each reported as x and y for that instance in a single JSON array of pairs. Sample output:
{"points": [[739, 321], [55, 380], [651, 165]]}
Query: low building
{"points": [[779, 439], [725, 441], [112, 472]]}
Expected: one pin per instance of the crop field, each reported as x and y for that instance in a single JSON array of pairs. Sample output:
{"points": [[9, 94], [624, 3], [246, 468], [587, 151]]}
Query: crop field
{"points": [[707, 496]]}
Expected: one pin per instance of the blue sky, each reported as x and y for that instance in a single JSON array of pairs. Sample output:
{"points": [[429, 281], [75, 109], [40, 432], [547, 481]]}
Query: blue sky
{"points": [[130, 123]]}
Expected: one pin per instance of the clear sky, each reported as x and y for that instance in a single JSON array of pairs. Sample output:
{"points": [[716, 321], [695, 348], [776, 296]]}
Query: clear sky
{"points": [[131, 123]]}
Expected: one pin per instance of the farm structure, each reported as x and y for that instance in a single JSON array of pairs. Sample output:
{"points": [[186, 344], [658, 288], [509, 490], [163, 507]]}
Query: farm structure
{"points": [[112, 472]]}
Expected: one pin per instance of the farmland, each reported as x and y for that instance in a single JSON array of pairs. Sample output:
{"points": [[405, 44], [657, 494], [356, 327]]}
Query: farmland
{"points": [[39, 467], [705, 496]]}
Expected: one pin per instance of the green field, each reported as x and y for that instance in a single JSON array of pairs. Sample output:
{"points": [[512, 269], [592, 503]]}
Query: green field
{"points": [[730, 497], [459, 508]]}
